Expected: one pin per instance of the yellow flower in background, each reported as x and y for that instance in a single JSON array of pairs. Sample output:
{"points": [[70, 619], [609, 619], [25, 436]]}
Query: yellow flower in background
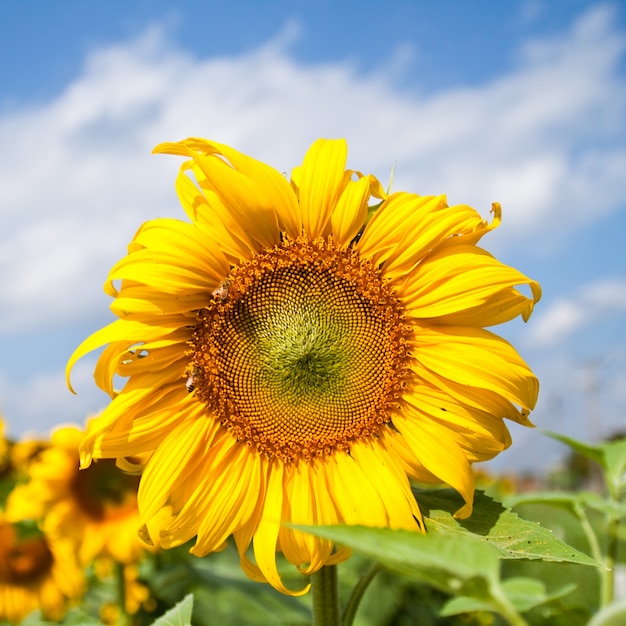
{"points": [[295, 357], [36, 572], [5, 451], [136, 596], [24, 451], [96, 509]]}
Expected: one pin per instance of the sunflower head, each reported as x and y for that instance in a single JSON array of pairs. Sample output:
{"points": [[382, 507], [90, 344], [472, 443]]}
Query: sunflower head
{"points": [[298, 351], [95, 508], [37, 571], [305, 354]]}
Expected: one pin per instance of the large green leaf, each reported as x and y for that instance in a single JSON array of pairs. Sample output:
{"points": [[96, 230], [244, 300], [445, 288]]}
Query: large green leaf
{"points": [[492, 523], [455, 564]]}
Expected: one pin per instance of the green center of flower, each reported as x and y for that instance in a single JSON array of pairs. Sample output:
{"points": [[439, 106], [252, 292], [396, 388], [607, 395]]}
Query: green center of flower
{"points": [[304, 354]]}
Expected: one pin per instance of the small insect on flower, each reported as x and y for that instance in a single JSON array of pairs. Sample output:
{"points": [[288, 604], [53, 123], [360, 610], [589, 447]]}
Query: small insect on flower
{"points": [[222, 290], [194, 373]]}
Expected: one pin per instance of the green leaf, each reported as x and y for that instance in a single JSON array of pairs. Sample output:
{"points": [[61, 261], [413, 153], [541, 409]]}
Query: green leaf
{"points": [[526, 593], [492, 523], [179, 615], [558, 499], [570, 501], [610, 455], [522, 592], [454, 564], [459, 605]]}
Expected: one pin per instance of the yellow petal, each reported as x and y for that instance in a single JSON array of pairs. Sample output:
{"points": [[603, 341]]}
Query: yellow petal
{"points": [[266, 536], [235, 490], [137, 420], [302, 507], [440, 454], [498, 308], [245, 186], [407, 227], [478, 358], [390, 482], [180, 454], [211, 217], [481, 435], [321, 179], [276, 191], [129, 332], [356, 499], [351, 211], [144, 300], [457, 278]]}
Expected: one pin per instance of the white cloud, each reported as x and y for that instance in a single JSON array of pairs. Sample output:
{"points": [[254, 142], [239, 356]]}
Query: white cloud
{"points": [[589, 305], [39, 404], [78, 177]]}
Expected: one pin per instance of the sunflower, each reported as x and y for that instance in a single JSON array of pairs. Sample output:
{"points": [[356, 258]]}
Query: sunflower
{"points": [[5, 452], [36, 572], [294, 355], [96, 509]]}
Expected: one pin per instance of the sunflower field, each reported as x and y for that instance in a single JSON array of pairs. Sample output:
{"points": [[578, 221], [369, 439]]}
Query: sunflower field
{"points": [[302, 375]]}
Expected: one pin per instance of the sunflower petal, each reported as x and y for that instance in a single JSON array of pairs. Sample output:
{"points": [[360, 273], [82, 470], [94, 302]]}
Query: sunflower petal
{"points": [[266, 536], [351, 210], [321, 179], [454, 279], [440, 454], [478, 358]]}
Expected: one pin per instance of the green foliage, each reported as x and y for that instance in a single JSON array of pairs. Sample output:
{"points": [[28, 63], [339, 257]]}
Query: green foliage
{"points": [[179, 615], [614, 615], [512, 536], [222, 593], [611, 456], [548, 562]]}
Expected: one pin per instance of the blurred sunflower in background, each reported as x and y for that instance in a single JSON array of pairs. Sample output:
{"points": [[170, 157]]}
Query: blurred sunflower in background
{"points": [[6, 465], [96, 509], [37, 571], [295, 355]]}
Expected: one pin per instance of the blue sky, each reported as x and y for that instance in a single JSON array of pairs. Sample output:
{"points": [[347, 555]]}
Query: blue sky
{"points": [[521, 102]]}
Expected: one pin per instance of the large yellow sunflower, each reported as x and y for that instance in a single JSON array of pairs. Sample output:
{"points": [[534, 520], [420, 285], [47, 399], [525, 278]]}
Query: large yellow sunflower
{"points": [[36, 572], [294, 356], [96, 509]]}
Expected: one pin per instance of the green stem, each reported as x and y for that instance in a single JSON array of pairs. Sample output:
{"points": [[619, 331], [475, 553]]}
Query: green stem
{"points": [[120, 580], [592, 538], [608, 576], [506, 609], [325, 597], [349, 611]]}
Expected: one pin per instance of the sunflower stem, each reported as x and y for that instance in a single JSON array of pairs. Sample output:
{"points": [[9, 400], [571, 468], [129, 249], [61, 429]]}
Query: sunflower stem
{"points": [[608, 576], [120, 581], [325, 597], [349, 611]]}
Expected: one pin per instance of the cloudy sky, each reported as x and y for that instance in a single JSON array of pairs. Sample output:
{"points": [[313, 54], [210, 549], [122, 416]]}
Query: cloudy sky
{"points": [[521, 102]]}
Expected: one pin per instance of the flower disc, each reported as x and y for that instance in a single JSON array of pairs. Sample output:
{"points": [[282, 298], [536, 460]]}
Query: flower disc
{"points": [[26, 561], [303, 353]]}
